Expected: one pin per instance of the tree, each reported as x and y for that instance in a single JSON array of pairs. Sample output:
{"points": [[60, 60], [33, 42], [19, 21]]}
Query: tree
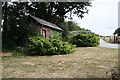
{"points": [[55, 11], [65, 29], [15, 16], [73, 26], [15, 27], [117, 31]]}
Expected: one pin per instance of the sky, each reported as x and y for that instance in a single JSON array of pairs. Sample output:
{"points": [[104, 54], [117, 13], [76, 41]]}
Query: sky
{"points": [[102, 18]]}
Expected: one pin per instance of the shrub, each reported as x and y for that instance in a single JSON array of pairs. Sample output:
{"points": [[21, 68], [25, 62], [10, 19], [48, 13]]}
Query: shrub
{"points": [[69, 38], [41, 46], [56, 35], [62, 47], [85, 40]]}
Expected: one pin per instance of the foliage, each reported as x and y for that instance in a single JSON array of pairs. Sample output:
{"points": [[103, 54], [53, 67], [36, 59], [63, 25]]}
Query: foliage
{"points": [[117, 31], [70, 37], [62, 47], [117, 39], [65, 29], [81, 31], [8, 45], [85, 40], [55, 11], [73, 26], [71, 29], [56, 35], [41, 46], [17, 51], [115, 75], [16, 23]]}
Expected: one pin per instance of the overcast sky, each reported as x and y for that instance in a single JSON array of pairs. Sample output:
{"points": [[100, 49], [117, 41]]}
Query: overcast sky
{"points": [[102, 18]]}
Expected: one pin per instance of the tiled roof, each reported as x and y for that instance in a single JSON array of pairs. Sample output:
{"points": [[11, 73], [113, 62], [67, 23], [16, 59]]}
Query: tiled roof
{"points": [[48, 24]]}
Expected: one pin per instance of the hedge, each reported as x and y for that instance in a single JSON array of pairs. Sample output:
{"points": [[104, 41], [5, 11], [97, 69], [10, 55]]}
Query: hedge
{"points": [[85, 40]]}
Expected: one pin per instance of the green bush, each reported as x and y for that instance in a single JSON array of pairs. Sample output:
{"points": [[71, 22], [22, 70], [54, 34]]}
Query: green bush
{"points": [[56, 35], [41, 46], [62, 47], [85, 40]]}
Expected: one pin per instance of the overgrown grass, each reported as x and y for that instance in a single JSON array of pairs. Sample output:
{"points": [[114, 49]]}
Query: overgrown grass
{"points": [[85, 62]]}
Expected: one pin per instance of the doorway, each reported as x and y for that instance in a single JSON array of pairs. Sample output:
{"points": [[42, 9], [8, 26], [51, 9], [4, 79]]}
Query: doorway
{"points": [[44, 33]]}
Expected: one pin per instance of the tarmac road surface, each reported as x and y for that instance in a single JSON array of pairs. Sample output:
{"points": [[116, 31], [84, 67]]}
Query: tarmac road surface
{"points": [[108, 45]]}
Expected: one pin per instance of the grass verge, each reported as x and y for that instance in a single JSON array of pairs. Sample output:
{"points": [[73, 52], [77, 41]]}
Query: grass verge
{"points": [[85, 62]]}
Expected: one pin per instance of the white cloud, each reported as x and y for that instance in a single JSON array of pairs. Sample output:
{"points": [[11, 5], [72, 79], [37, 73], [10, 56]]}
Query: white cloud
{"points": [[102, 18]]}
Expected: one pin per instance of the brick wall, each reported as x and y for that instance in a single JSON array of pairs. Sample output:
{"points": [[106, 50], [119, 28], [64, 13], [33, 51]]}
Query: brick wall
{"points": [[37, 28]]}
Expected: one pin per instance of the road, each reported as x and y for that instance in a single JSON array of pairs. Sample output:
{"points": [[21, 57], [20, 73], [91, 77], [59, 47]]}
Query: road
{"points": [[108, 45]]}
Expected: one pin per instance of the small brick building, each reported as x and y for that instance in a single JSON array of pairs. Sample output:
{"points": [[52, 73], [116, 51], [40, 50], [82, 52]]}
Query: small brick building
{"points": [[42, 27]]}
